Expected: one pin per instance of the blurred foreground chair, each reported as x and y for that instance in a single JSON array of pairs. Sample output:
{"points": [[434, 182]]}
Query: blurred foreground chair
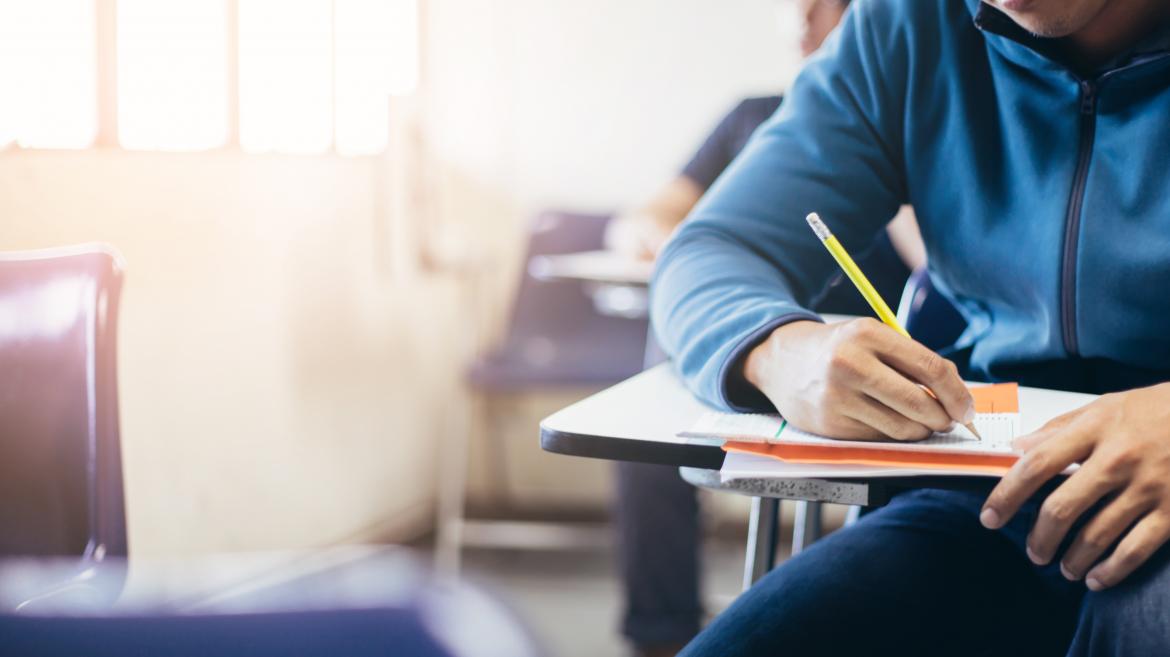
{"points": [[556, 339], [349, 601], [60, 456]]}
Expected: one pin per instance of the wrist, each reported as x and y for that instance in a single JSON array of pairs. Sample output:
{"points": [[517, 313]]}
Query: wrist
{"points": [[761, 360]]}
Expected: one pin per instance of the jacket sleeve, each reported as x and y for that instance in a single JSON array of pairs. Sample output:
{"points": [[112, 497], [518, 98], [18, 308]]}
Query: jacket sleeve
{"points": [[745, 262]]}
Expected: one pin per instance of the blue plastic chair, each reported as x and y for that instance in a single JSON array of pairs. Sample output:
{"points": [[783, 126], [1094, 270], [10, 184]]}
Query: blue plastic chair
{"points": [[928, 315], [555, 336], [60, 455], [374, 606]]}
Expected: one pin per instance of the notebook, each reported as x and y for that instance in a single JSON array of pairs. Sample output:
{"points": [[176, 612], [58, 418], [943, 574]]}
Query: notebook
{"points": [[997, 419]]}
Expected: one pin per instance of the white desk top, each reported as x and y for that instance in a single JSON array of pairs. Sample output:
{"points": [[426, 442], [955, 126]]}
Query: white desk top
{"points": [[595, 266], [651, 406]]}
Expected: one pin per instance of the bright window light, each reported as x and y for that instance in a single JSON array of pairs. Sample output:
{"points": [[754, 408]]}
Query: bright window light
{"points": [[375, 57], [403, 40], [362, 50], [172, 74], [48, 73], [286, 76]]}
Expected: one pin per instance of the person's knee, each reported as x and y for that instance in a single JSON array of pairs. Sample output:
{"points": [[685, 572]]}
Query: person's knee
{"points": [[1130, 618]]}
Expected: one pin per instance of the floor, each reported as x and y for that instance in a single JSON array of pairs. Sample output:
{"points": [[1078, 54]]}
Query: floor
{"points": [[572, 600]]}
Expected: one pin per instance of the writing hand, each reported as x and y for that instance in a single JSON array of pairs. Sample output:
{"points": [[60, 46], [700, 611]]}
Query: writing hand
{"points": [[857, 380]]}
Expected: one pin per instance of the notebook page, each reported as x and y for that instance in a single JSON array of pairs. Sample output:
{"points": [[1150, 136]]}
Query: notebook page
{"points": [[997, 429]]}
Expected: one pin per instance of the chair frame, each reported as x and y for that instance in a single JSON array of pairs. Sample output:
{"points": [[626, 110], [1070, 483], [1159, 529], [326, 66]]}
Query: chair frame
{"points": [[107, 534]]}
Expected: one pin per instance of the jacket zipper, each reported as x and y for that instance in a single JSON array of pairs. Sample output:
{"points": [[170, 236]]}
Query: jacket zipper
{"points": [[1072, 229], [1072, 222]]}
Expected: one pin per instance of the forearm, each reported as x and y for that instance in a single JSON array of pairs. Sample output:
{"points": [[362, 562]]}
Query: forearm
{"points": [[713, 300], [745, 262]]}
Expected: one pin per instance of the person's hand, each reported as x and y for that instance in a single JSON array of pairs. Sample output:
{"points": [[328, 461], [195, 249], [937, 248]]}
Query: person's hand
{"points": [[1122, 442], [858, 380], [638, 235]]}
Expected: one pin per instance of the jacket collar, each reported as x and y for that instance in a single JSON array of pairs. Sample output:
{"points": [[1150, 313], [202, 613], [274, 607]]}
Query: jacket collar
{"points": [[1025, 48]]}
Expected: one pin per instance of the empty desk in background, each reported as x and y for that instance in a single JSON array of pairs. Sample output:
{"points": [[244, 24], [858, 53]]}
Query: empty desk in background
{"points": [[617, 283], [637, 419]]}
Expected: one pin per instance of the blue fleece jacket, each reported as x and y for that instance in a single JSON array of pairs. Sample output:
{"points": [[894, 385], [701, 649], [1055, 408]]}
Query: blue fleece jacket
{"points": [[1041, 192]]}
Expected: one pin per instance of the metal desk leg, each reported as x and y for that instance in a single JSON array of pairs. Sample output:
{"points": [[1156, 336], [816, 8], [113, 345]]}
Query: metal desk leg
{"points": [[852, 515], [763, 535], [806, 526], [452, 488]]}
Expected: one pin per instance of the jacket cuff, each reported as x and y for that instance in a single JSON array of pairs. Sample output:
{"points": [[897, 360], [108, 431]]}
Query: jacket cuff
{"points": [[735, 391]]}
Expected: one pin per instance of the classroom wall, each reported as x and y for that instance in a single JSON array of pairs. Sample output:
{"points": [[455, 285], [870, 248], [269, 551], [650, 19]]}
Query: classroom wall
{"points": [[279, 385], [593, 104], [294, 329]]}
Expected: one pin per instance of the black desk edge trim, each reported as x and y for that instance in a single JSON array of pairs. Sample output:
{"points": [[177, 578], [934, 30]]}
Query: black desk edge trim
{"points": [[628, 449]]}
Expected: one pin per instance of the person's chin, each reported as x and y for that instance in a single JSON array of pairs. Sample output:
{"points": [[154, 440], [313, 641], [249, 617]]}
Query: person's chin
{"points": [[1016, 6], [807, 47], [1030, 15]]}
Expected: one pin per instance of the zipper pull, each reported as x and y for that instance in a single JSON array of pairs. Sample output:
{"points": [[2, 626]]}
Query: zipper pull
{"points": [[1088, 97]]}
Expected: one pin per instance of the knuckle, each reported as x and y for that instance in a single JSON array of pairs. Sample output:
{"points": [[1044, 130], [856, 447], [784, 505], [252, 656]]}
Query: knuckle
{"points": [[1034, 465], [1058, 511], [843, 364], [1150, 488], [950, 367], [1128, 558], [1129, 456], [910, 431], [1120, 460], [864, 328], [933, 366], [914, 399], [1095, 540]]}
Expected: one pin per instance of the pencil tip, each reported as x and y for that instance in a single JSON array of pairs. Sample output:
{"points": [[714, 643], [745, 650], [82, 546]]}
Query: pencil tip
{"points": [[971, 427]]}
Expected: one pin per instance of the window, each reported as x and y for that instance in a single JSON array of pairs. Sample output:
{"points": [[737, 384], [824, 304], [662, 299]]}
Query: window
{"points": [[172, 74], [267, 75], [47, 73]]}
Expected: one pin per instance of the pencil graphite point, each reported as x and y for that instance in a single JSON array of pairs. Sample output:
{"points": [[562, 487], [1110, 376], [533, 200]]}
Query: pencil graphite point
{"points": [[971, 427], [818, 226]]}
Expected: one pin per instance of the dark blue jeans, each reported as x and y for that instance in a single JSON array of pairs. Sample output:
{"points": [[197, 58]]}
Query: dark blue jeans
{"points": [[921, 576]]}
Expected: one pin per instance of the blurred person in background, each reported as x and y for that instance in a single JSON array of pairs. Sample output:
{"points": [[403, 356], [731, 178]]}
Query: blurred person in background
{"points": [[657, 513]]}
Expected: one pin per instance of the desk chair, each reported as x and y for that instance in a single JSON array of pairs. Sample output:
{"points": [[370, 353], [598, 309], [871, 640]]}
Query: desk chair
{"points": [[60, 457], [556, 338], [933, 321]]}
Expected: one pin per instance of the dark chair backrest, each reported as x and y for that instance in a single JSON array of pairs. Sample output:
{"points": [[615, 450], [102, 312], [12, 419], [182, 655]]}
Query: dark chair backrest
{"points": [[928, 315], [60, 458], [556, 335]]}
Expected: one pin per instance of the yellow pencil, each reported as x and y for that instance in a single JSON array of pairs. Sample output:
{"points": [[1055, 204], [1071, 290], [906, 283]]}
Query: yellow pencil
{"points": [[866, 288]]}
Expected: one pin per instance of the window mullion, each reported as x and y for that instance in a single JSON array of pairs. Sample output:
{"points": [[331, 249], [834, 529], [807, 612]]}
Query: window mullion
{"points": [[106, 22]]}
